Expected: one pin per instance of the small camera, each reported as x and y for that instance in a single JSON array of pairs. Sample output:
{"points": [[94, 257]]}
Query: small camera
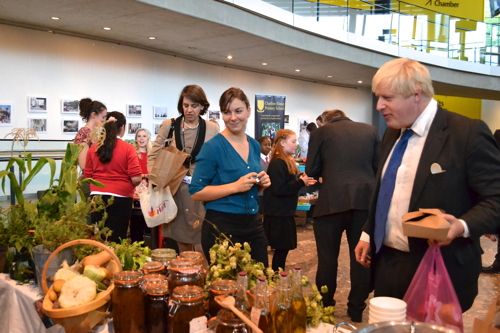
{"points": [[257, 179]]}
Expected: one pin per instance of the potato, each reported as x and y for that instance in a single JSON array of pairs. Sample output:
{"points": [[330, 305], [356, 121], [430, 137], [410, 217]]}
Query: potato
{"points": [[58, 285], [52, 295]]}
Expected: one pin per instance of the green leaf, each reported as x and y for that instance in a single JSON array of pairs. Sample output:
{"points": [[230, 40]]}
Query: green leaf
{"points": [[19, 161], [93, 182], [38, 167], [28, 161], [128, 264]]}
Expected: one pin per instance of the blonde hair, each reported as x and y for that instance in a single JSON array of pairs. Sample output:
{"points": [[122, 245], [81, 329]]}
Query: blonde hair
{"points": [[403, 76], [279, 152], [149, 145]]}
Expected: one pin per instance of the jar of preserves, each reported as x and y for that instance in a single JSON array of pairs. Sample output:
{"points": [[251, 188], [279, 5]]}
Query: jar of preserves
{"points": [[128, 302], [154, 267], [228, 322], [183, 272], [187, 306], [156, 306], [193, 255], [217, 288], [153, 279], [163, 255]]}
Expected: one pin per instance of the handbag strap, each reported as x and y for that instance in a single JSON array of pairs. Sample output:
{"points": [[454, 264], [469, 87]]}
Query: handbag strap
{"points": [[170, 132], [199, 141]]}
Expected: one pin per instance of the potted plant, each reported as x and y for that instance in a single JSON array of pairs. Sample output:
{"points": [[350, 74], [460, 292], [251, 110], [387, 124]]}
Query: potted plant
{"points": [[57, 217]]}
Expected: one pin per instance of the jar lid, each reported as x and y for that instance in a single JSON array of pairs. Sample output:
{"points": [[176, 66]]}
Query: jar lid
{"points": [[153, 266], [192, 255], [157, 289], [164, 253], [188, 293], [154, 278], [127, 277], [223, 286], [185, 266]]}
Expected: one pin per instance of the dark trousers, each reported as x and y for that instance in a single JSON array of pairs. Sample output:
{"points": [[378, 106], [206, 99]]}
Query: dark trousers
{"points": [[328, 233], [118, 217], [394, 271], [239, 228]]}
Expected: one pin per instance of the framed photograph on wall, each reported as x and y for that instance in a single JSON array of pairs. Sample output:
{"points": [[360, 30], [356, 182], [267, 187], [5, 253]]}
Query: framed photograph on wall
{"points": [[38, 124], [156, 128], [134, 110], [69, 126], [69, 106], [134, 127], [37, 104], [160, 112], [6, 114], [286, 118]]}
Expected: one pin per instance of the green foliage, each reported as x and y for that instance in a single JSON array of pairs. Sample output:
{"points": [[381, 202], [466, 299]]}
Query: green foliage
{"points": [[132, 255]]}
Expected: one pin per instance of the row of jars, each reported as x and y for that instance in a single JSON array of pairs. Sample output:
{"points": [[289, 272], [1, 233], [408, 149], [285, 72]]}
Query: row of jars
{"points": [[142, 301]]}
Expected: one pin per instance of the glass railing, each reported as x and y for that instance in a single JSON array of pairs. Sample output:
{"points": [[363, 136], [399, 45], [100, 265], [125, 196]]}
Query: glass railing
{"points": [[396, 22]]}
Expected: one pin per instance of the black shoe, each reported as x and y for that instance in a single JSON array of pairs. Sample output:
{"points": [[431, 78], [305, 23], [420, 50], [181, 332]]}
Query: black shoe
{"points": [[494, 268]]}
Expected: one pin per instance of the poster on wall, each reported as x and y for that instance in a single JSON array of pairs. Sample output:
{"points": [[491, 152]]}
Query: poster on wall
{"points": [[38, 124], [160, 112], [69, 106], [37, 104], [269, 115], [69, 126], [134, 110], [134, 127], [5, 114]]}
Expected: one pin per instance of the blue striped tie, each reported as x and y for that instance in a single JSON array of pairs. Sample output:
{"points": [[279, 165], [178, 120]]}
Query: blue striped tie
{"points": [[387, 189]]}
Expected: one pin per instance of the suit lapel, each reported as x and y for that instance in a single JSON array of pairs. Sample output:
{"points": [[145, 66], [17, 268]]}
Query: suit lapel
{"points": [[433, 144]]}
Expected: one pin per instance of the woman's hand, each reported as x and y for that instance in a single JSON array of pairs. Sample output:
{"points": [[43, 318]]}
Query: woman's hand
{"points": [[246, 182], [264, 180], [308, 180]]}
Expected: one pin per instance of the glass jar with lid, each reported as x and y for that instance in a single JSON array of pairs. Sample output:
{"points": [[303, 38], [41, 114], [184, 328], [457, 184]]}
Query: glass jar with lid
{"points": [[218, 288], [128, 302], [163, 255], [183, 272], [154, 267], [187, 305], [193, 255], [228, 322], [156, 306], [153, 279]]}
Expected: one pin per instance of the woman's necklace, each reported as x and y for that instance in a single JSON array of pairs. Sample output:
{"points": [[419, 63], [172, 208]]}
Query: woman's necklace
{"points": [[190, 127]]}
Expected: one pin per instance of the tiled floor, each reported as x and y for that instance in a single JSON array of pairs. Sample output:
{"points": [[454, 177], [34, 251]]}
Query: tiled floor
{"points": [[305, 256]]}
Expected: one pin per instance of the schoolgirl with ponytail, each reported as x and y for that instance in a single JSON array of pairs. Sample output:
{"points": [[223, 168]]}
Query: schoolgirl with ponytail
{"points": [[115, 164]]}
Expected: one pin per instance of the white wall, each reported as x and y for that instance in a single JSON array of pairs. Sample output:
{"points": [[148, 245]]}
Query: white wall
{"points": [[41, 64]]}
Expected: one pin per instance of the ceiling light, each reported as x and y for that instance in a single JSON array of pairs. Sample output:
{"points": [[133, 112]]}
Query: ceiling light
{"points": [[55, 18], [264, 64], [152, 37], [360, 81], [107, 28], [329, 76], [297, 70], [230, 57]]}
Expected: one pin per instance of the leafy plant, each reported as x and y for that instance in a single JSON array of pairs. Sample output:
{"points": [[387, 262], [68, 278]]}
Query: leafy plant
{"points": [[132, 255]]}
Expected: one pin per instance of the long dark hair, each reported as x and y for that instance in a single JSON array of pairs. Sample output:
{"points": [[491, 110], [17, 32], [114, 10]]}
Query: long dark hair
{"points": [[88, 106], [112, 128]]}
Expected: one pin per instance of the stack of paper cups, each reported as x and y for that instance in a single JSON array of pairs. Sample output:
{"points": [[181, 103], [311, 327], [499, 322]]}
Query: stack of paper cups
{"points": [[386, 309]]}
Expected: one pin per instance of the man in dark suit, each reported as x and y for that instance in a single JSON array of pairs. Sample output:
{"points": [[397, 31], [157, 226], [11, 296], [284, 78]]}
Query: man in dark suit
{"points": [[345, 154], [451, 162]]}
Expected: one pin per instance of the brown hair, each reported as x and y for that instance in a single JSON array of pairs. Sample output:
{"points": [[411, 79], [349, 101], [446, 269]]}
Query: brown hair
{"points": [[88, 106], [229, 95], [279, 152], [197, 95], [330, 115]]}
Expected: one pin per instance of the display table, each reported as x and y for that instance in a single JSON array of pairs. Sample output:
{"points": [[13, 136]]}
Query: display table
{"points": [[18, 315]]}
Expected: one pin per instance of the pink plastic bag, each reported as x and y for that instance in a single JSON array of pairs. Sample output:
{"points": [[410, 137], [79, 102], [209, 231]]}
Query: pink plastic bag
{"points": [[431, 297]]}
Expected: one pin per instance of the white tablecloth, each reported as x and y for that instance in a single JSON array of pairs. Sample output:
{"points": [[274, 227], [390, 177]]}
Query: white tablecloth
{"points": [[18, 315]]}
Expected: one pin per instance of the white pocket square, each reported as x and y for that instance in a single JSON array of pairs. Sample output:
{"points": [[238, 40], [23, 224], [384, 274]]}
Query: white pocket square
{"points": [[436, 168]]}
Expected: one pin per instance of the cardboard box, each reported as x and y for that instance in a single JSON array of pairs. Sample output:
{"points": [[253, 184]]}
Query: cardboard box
{"points": [[426, 224]]}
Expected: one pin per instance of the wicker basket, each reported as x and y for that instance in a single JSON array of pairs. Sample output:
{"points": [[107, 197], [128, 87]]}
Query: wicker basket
{"points": [[83, 318]]}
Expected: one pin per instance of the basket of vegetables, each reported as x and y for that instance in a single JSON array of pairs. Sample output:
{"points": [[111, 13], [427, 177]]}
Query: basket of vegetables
{"points": [[79, 300]]}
